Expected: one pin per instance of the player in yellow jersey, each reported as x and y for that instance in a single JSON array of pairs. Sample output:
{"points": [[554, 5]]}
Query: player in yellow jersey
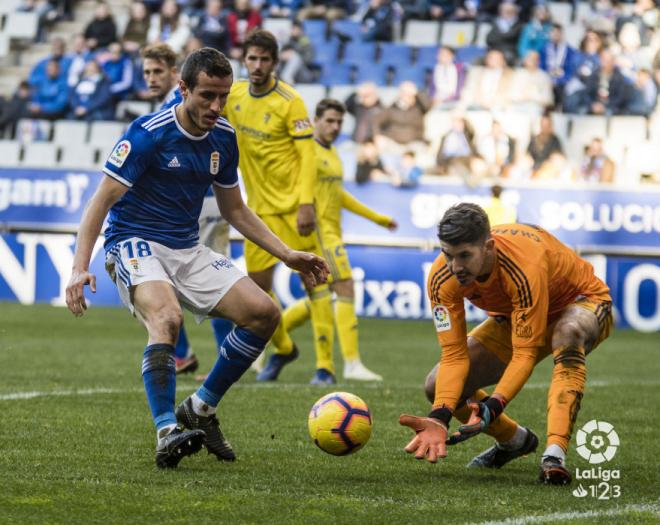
{"points": [[542, 299], [278, 165], [330, 198]]}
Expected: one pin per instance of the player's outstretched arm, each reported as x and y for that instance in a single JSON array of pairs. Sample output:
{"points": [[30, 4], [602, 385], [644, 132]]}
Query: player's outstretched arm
{"points": [[108, 192], [353, 205], [313, 269]]}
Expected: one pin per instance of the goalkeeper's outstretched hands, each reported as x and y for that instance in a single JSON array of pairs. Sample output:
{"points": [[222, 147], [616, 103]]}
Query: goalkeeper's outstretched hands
{"points": [[429, 441]]}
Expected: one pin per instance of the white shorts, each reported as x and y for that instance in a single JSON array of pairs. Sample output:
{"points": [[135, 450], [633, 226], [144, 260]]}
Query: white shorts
{"points": [[200, 277], [213, 229]]}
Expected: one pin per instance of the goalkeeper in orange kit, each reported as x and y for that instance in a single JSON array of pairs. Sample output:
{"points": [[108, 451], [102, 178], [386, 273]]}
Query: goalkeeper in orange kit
{"points": [[542, 299]]}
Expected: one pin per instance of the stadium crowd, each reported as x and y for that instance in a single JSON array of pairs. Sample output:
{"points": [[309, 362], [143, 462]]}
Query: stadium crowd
{"points": [[496, 91]]}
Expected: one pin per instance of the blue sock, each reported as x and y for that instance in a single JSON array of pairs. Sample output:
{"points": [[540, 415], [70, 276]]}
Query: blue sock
{"points": [[182, 346], [240, 348], [221, 328], [158, 374]]}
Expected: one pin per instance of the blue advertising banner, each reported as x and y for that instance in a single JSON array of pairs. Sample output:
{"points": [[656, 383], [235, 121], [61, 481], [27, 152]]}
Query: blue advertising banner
{"points": [[389, 282], [609, 220]]}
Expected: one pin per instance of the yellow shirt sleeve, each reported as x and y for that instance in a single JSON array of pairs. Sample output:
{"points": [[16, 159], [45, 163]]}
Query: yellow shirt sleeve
{"points": [[353, 205], [301, 129]]}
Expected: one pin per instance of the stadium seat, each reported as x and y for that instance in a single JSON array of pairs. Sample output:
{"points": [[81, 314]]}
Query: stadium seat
{"points": [[349, 124], [130, 109], [22, 25], [457, 34], [482, 32], [326, 52], [311, 94], [105, 134], [627, 130], [348, 29], [280, 27], [427, 56], [315, 30], [416, 74], [654, 128], [481, 121], [10, 153], [78, 156], [40, 155], [4, 45], [436, 125], [69, 132], [31, 130], [586, 127], [370, 72], [561, 12], [641, 159], [517, 125], [470, 54], [9, 6], [395, 54], [359, 53], [421, 33], [336, 74], [341, 93], [574, 33], [560, 123]]}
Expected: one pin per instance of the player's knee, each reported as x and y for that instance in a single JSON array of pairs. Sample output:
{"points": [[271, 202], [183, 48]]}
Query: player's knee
{"points": [[265, 318], [168, 321], [569, 332]]}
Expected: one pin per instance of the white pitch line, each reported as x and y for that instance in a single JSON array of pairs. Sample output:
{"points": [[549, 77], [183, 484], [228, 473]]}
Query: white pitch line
{"points": [[560, 516], [21, 396]]}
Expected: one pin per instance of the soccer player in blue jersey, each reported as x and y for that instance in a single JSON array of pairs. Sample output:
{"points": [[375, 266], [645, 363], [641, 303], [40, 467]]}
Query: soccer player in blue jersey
{"points": [[156, 179], [161, 77]]}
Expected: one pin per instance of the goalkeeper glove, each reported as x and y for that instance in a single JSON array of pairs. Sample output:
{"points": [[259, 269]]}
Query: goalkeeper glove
{"points": [[429, 441], [483, 414]]}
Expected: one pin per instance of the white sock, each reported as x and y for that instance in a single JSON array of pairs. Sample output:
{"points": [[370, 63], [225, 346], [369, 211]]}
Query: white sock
{"points": [[201, 407], [516, 441], [556, 451], [163, 432]]}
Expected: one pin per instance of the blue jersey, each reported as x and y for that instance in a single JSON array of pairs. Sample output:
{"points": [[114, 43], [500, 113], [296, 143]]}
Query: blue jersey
{"points": [[172, 98], [168, 172]]}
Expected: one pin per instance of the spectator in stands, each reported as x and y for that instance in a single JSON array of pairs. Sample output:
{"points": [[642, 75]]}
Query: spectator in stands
{"points": [[457, 150], [92, 98], [497, 149], [330, 10], [586, 62], [101, 30], [440, 9], [558, 59], [212, 27], [369, 164], [607, 91], [603, 16], [365, 106], [643, 94], [378, 22], [241, 21], [283, 8], [137, 28], [531, 88], [400, 127], [489, 9], [506, 32], [645, 18], [543, 145], [408, 172], [629, 56], [169, 26], [297, 57], [46, 14], [536, 33], [466, 10], [50, 94], [57, 53], [79, 56], [118, 68], [488, 87], [656, 67], [596, 165], [448, 78], [16, 108]]}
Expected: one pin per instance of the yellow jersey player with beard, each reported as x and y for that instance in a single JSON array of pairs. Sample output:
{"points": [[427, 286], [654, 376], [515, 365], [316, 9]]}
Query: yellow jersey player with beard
{"points": [[329, 199], [278, 165]]}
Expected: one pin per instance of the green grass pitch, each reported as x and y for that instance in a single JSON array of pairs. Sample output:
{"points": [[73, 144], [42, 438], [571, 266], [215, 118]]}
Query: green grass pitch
{"points": [[77, 442]]}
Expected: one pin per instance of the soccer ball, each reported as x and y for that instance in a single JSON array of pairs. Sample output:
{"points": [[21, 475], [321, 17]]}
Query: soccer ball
{"points": [[340, 423]]}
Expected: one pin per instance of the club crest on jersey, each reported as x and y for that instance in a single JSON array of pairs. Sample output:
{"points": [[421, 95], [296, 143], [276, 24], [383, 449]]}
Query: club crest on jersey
{"points": [[119, 154], [441, 318], [215, 163], [134, 264], [301, 125]]}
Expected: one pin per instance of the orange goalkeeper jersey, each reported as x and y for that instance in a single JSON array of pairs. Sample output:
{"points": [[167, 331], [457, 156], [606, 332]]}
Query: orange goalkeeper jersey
{"points": [[534, 278]]}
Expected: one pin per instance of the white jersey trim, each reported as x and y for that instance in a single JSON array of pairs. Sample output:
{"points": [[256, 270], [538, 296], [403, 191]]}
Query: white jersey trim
{"points": [[183, 131], [118, 178], [225, 185], [156, 117]]}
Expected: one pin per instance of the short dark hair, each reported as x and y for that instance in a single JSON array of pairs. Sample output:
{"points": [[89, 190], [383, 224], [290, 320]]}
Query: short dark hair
{"points": [[464, 222], [205, 60], [161, 53], [329, 103], [263, 39]]}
